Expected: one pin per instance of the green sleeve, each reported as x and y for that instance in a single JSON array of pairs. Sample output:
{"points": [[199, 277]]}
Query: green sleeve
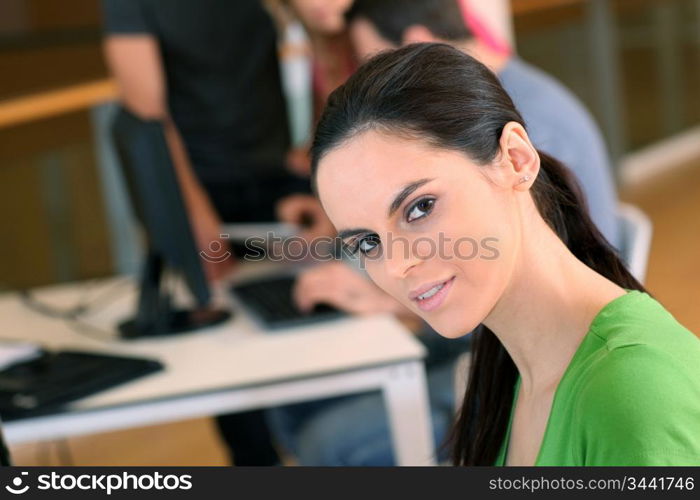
{"points": [[638, 407]]}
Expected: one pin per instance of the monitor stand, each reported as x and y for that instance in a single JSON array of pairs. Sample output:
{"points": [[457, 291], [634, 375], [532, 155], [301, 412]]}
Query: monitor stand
{"points": [[156, 317]]}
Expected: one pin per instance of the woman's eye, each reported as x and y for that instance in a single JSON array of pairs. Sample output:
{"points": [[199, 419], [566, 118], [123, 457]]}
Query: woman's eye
{"points": [[366, 245], [420, 209]]}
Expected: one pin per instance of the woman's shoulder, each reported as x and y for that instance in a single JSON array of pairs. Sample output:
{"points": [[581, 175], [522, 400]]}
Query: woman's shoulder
{"points": [[642, 348], [637, 319], [638, 374], [638, 397], [638, 406]]}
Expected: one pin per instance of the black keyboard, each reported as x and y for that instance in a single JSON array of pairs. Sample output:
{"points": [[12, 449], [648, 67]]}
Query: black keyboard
{"points": [[44, 384], [270, 301]]}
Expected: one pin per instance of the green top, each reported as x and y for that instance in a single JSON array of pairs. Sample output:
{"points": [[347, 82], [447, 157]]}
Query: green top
{"points": [[631, 394]]}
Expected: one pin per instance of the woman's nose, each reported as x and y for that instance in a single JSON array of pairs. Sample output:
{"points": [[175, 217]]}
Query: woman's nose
{"points": [[400, 256]]}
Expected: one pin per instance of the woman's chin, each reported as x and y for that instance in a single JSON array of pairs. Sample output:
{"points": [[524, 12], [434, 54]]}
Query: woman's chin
{"points": [[451, 330]]}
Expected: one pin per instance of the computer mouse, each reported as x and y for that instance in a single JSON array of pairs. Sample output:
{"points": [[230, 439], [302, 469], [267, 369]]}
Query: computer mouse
{"points": [[322, 307]]}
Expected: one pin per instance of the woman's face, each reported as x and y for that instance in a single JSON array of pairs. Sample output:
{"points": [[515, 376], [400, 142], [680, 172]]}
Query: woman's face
{"points": [[432, 229], [322, 16]]}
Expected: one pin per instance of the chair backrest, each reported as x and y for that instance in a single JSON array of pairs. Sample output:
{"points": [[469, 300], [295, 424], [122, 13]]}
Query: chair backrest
{"points": [[635, 239]]}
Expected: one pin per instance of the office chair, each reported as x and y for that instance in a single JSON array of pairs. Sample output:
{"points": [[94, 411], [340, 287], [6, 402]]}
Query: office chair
{"points": [[635, 239]]}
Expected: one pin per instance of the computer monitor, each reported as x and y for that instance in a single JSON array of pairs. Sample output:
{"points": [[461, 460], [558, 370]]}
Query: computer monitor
{"points": [[158, 204]]}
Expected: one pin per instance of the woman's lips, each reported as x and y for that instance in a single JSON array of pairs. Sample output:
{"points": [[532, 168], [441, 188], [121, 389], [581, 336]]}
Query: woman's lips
{"points": [[433, 302]]}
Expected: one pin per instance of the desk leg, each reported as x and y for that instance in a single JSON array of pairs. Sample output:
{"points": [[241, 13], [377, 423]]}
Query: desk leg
{"points": [[406, 398]]}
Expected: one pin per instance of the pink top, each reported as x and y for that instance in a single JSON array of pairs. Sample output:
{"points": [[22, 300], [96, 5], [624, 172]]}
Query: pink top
{"points": [[481, 31]]}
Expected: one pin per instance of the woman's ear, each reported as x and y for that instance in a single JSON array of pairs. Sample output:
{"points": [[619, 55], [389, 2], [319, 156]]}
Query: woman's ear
{"points": [[519, 158]]}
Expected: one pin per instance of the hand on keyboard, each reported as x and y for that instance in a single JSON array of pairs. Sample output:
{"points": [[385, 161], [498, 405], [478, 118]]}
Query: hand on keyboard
{"points": [[270, 300], [338, 285]]}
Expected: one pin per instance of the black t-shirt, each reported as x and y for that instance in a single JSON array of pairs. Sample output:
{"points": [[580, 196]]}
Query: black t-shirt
{"points": [[223, 81]]}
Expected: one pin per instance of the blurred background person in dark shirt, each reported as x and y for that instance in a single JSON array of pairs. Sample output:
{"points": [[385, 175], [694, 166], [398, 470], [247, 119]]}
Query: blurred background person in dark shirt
{"points": [[209, 71]]}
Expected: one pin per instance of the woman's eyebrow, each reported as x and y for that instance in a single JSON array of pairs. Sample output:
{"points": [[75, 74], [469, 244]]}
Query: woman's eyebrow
{"points": [[346, 233], [405, 192], [398, 200]]}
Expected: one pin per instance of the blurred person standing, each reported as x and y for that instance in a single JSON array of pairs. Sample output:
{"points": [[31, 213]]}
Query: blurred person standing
{"points": [[208, 70], [329, 47], [332, 60]]}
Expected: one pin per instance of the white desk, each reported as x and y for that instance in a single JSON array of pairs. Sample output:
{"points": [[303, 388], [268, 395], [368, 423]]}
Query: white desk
{"points": [[231, 367]]}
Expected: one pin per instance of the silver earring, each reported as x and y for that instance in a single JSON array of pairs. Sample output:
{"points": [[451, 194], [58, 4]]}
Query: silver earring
{"points": [[525, 179]]}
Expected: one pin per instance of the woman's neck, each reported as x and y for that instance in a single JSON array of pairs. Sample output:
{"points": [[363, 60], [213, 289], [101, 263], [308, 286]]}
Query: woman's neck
{"points": [[547, 308], [333, 63], [328, 45]]}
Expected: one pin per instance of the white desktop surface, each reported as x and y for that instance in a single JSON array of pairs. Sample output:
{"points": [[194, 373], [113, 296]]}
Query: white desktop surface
{"points": [[233, 366]]}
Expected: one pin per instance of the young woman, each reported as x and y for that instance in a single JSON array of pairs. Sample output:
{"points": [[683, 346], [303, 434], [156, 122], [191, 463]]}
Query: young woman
{"points": [[425, 168]]}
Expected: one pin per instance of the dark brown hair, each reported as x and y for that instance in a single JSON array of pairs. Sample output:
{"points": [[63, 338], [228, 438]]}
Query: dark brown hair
{"points": [[452, 101], [391, 18]]}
